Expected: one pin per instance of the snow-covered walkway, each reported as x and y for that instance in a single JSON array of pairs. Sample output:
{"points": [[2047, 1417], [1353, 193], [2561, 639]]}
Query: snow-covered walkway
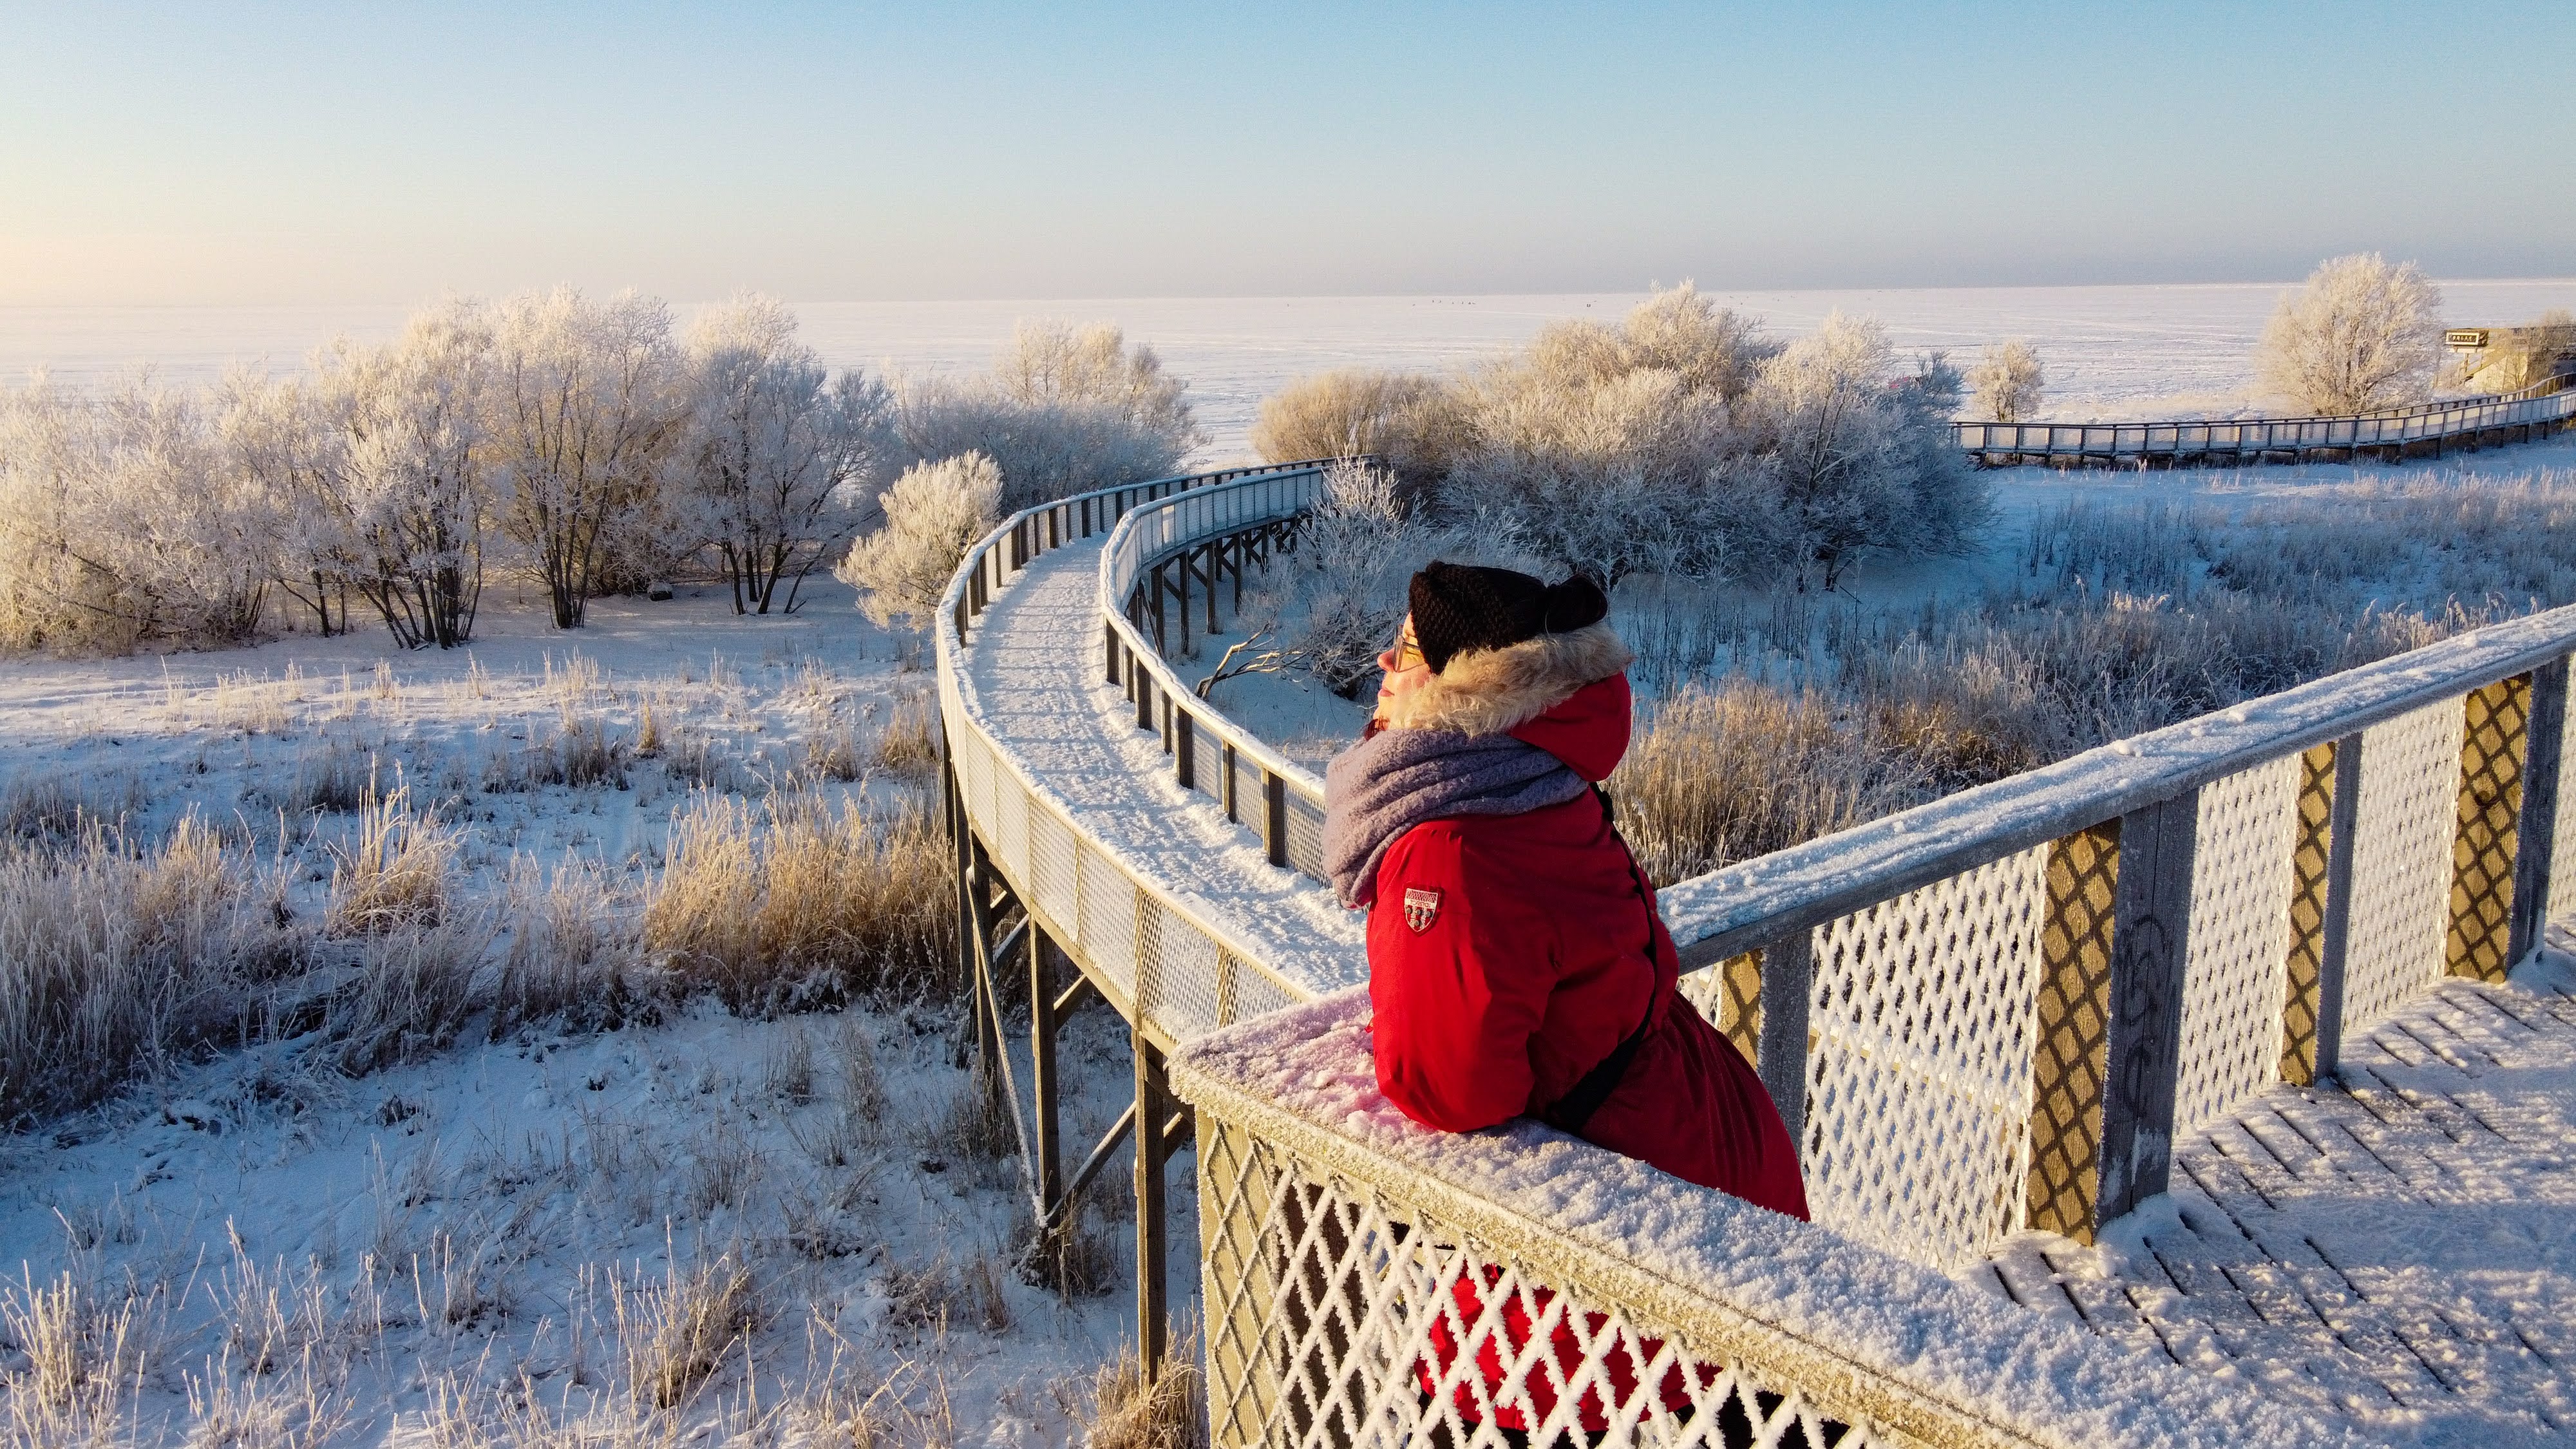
{"points": [[2402, 1249], [1033, 664]]}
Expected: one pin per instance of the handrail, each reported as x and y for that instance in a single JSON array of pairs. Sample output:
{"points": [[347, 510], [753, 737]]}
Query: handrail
{"points": [[1335, 1229], [1738, 908], [2543, 403]]}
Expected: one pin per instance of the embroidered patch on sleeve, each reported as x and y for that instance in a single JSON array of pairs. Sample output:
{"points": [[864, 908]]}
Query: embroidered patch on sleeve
{"points": [[1421, 908]]}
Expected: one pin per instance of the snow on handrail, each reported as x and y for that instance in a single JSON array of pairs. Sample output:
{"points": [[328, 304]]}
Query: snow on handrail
{"points": [[1335, 1229]]}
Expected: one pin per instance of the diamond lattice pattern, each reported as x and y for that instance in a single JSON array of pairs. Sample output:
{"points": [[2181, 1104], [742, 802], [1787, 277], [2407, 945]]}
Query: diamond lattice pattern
{"points": [[2401, 866], [1337, 1318], [2241, 885], [1919, 1068]]}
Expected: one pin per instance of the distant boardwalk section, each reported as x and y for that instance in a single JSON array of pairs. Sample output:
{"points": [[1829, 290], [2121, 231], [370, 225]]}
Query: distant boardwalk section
{"points": [[2426, 431]]}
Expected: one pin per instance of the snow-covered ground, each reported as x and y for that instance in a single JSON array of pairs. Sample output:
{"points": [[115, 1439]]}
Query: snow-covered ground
{"points": [[2110, 351], [296, 1257]]}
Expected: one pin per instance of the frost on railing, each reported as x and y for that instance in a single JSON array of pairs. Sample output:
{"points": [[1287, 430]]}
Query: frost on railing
{"points": [[1370, 1282], [2000, 1010]]}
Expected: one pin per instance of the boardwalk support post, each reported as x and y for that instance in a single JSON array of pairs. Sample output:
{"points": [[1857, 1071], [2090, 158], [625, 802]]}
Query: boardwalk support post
{"points": [[1153, 1104]]}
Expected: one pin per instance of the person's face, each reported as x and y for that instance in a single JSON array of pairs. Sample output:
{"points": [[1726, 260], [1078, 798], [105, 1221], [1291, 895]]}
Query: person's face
{"points": [[1404, 665]]}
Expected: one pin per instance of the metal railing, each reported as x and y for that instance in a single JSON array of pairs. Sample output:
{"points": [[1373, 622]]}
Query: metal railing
{"points": [[2534, 410]]}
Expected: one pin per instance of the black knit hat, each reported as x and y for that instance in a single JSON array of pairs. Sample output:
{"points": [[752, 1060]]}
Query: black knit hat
{"points": [[1458, 607]]}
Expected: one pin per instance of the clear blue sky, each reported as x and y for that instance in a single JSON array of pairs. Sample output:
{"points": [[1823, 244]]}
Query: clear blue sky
{"points": [[226, 153]]}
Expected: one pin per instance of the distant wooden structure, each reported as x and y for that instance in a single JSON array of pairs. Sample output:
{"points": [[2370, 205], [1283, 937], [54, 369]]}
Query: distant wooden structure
{"points": [[2428, 430]]}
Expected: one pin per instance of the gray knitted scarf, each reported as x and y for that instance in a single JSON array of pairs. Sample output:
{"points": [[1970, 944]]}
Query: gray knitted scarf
{"points": [[1385, 785]]}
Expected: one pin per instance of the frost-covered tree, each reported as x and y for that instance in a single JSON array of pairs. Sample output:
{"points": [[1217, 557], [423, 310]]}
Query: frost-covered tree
{"points": [[57, 591], [585, 404], [1065, 410], [286, 440], [417, 492], [2364, 333], [775, 450], [2007, 381], [933, 514]]}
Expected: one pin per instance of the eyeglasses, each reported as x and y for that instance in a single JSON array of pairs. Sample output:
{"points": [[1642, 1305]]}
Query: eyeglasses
{"points": [[1408, 650]]}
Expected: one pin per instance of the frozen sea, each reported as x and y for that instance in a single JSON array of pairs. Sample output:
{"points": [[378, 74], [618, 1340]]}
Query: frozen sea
{"points": [[2110, 351]]}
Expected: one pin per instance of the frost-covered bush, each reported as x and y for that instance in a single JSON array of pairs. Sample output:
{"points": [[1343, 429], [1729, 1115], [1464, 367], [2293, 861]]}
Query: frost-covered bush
{"points": [[1612, 451], [585, 405], [121, 520], [2363, 333], [774, 451], [2007, 381], [1063, 411], [933, 514], [1418, 423], [1857, 458]]}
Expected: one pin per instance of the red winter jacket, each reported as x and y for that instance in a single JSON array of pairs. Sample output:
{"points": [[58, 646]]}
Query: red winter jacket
{"points": [[1533, 968]]}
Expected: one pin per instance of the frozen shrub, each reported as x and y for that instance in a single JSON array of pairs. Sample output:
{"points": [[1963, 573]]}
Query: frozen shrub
{"points": [[1064, 410], [396, 875], [1128, 1412], [774, 448], [118, 959], [2007, 381], [1328, 609], [675, 1334], [934, 513], [1418, 423], [576, 953], [2363, 333]]}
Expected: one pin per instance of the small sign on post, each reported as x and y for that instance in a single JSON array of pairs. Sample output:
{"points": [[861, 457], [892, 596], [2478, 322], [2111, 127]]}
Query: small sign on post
{"points": [[2465, 337]]}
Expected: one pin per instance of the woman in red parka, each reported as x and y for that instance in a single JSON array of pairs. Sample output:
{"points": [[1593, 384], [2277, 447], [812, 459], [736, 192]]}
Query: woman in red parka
{"points": [[1517, 966]]}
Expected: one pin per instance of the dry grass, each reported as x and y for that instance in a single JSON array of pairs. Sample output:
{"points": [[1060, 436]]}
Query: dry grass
{"points": [[676, 1333], [83, 1360], [398, 874], [576, 952], [115, 959], [795, 904], [1128, 1413]]}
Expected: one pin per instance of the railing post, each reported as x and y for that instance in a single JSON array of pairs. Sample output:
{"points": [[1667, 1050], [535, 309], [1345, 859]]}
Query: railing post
{"points": [[1274, 816], [1225, 787], [1185, 747], [1788, 974], [1109, 647], [1153, 1105], [2150, 942], [2536, 833], [1144, 684]]}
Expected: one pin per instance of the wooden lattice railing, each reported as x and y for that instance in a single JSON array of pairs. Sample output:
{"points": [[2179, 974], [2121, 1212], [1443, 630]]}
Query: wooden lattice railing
{"points": [[1990, 1013], [2520, 416]]}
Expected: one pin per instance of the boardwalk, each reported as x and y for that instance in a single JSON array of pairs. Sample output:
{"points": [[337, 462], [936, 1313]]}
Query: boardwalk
{"points": [[2403, 1251]]}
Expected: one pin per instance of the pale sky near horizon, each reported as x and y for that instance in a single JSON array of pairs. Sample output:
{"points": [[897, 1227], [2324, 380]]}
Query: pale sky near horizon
{"points": [[248, 154]]}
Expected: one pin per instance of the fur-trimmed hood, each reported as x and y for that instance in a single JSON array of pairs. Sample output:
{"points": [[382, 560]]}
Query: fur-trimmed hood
{"points": [[1495, 691]]}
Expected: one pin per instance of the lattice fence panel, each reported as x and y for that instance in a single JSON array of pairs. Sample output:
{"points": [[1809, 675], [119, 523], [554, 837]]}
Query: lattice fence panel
{"points": [[1919, 1068], [2241, 883], [1051, 875], [2492, 750], [1177, 965], [2072, 1033], [1108, 926], [2401, 868], [1305, 835], [1729, 994], [1337, 1318]]}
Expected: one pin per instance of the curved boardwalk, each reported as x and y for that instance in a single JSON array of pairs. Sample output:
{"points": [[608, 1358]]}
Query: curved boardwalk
{"points": [[1035, 669]]}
